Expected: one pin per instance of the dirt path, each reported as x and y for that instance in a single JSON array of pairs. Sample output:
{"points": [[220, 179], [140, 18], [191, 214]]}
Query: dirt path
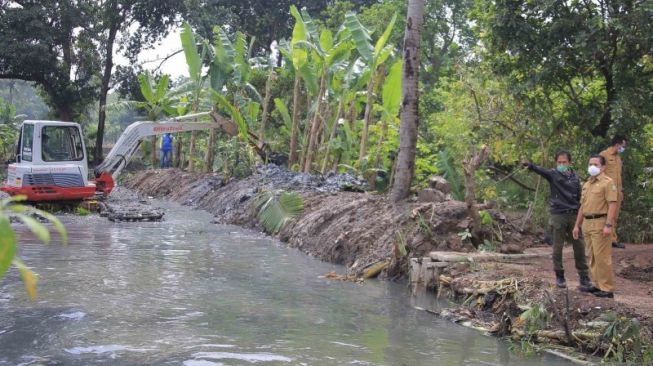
{"points": [[633, 261]]}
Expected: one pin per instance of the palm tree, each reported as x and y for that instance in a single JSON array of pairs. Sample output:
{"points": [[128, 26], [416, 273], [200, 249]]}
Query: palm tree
{"points": [[410, 98]]}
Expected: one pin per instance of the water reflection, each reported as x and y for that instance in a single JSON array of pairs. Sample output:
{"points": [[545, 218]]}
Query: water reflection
{"points": [[185, 292]]}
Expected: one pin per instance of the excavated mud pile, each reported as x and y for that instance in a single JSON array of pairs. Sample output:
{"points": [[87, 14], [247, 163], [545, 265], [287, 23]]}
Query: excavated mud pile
{"points": [[124, 205], [341, 222]]}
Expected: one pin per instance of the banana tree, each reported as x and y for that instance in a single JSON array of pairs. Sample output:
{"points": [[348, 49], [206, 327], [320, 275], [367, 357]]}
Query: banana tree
{"points": [[159, 102], [374, 56], [328, 57], [266, 102], [228, 67], [390, 106], [296, 51], [344, 87], [220, 70], [196, 84], [231, 68]]}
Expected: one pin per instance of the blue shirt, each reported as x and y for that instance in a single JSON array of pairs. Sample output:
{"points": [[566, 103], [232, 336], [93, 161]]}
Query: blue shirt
{"points": [[166, 143]]}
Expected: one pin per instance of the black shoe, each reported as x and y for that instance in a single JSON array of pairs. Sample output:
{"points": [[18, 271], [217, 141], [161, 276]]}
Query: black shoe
{"points": [[618, 245], [585, 284], [604, 294], [560, 279], [590, 289]]}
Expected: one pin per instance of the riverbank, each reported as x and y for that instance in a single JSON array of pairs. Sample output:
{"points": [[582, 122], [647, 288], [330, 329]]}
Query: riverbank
{"points": [[340, 224], [343, 225]]}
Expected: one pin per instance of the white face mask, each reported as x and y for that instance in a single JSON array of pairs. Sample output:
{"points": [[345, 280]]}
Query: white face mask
{"points": [[621, 149], [593, 170]]}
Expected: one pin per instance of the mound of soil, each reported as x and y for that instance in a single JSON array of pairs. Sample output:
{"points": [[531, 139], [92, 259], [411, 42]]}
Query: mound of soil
{"points": [[637, 274], [341, 223]]}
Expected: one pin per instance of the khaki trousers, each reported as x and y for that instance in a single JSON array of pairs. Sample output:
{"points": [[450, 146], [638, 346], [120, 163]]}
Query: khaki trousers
{"points": [[616, 219], [599, 251]]}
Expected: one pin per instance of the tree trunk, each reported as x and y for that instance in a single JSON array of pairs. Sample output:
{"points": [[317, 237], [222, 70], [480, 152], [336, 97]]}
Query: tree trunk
{"points": [[384, 132], [266, 105], [153, 152], [104, 88], [366, 118], [64, 113], [470, 164], [178, 146], [315, 126], [191, 150], [210, 149], [610, 98], [410, 102], [332, 135], [307, 130], [295, 123]]}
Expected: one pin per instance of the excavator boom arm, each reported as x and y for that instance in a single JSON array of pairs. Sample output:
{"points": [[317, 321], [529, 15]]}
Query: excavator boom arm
{"points": [[130, 139], [127, 144]]}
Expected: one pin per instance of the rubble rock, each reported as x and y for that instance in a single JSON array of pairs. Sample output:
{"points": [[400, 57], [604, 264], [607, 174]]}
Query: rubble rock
{"points": [[431, 195], [439, 183]]}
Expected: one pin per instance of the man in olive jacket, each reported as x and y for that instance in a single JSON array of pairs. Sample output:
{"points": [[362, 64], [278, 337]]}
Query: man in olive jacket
{"points": [[564, 202]]}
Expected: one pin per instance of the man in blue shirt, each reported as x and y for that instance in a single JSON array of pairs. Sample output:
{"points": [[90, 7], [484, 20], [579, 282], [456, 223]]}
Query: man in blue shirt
{"points": [[166, 151]]}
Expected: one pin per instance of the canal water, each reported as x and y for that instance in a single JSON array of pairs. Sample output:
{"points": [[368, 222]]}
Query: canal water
{"points": [[187, 292]]}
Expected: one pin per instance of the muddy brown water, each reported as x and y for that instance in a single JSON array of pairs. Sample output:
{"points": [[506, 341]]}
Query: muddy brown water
{"points": [[187, 292]]}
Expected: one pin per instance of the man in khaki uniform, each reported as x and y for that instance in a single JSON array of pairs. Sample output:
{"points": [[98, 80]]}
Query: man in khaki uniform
{"points": [[598, 205], [613, 165]]}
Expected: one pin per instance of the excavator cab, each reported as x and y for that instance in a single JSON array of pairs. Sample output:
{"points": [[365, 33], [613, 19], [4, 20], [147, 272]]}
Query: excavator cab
{"points": [[50, 164]]}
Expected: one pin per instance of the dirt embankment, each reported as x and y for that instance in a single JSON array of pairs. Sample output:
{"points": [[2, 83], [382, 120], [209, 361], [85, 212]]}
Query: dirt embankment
{"points": [[340, 224]]}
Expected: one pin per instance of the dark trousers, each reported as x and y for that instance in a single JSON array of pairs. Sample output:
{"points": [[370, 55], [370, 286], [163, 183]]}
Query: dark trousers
{"points": [[562, 226], [165, 158]]}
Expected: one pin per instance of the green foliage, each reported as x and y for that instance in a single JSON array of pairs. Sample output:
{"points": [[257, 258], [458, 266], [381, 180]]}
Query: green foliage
{"points": [[534, 317], [193, 58], [234, 112], [392, 92], [624, 338], [234, 159], [81, 211], [8, 136], [595, 54], [22, 99], [31, 47], [465, 235], [7, 244], [424, 225], [525, 348], [361, 37], [276, 208], [8, 241], [446, 168], [400, 243], [486, 218], [487, 246]]}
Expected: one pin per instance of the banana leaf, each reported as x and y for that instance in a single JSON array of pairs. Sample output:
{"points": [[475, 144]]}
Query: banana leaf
{"points": [[361, 37], [193, 59]]}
